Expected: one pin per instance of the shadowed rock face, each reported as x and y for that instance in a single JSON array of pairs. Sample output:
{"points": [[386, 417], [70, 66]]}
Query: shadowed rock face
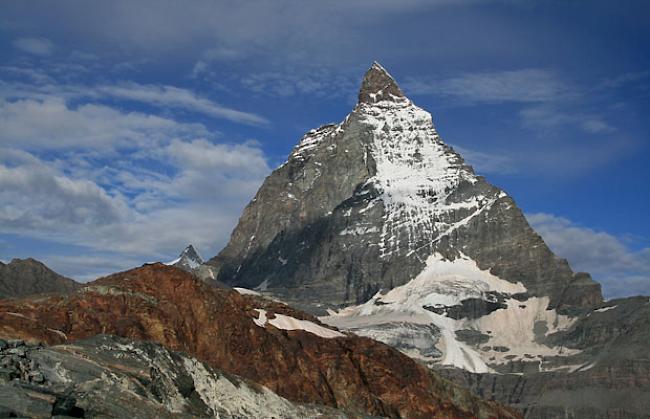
{"points": [[169, 306], [358, 207], [22, 277]]}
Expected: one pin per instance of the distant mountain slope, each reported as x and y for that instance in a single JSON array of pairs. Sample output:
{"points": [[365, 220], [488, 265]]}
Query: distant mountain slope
{"points": [[23, 277], [289, 352]]}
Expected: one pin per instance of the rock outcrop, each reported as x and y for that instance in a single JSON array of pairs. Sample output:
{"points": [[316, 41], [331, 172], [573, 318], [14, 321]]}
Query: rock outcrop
{"points": [[23, 277], [106, 376], [287, 351]]}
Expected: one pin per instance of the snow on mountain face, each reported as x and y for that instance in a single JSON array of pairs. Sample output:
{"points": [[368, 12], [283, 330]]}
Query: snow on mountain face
{"points": [[188, 260], [415, 173], [290, 323], [508, 332]]}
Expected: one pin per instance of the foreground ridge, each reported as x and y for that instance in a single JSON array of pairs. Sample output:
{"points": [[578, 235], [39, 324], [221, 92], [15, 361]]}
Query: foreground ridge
{"points": [[287, 351]]}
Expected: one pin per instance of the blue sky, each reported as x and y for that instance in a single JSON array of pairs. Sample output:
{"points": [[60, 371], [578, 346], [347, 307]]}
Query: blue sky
{"points": [[131, 128]]}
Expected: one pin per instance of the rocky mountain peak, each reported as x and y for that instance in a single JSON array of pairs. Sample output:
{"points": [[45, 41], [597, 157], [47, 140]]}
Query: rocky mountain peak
{"points": [[188, 260], [379, 86], [191, 253]]}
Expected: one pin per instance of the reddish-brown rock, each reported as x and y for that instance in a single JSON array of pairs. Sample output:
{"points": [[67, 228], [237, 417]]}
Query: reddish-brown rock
{"points": [[171, 307]]}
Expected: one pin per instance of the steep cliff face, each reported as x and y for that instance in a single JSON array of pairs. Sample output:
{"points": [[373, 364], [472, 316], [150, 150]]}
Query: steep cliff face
{"points": [[359, 207], [22, 277], [287, 351]]}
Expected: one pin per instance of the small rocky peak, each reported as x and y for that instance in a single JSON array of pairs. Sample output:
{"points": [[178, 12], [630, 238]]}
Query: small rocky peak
{"points": [[378, 85], [189, 259], [191, 253]]}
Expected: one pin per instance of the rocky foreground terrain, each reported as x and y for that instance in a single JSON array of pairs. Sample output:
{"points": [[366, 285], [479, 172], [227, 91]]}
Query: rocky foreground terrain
{"points": [[289, 352], [106, 376]]}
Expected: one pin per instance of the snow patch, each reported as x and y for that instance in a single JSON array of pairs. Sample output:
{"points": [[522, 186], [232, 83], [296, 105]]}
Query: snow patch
{"points": [[291, 323], [604, 309], [246, 291]]}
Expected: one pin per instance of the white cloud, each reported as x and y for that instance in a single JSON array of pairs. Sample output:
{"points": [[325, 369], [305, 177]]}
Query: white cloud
{"points": [[52, 123], [161, 96], [36, 197], [36, 46], [193, 193], [621, 270], [203, 155]]}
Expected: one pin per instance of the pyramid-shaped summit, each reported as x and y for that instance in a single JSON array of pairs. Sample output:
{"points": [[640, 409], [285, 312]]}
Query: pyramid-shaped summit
{"points": [[375, 202], [378, 85]]}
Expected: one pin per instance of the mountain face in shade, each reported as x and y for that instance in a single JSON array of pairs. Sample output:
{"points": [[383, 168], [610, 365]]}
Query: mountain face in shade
{"points": [[188, 260], [289, 352], [23, 277], [363, 206]]}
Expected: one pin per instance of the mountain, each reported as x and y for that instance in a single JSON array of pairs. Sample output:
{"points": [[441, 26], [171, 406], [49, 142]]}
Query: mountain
{"points": [[188, 260], [378, 218], [264, 341], [381, 229], [370, 203], [106, 376], [23, 277]]}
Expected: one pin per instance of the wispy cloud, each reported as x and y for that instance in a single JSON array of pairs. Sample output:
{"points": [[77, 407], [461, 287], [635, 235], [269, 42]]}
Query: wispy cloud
{"points": [[524, 86], [36, 46], [161, 96], [174, 97], [547, 101], [551, 116], [621, 270]]}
